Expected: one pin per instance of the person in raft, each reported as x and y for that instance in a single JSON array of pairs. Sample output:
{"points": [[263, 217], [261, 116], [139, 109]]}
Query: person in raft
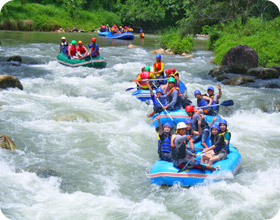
{"points": [[157, 105], [94, 49], [82, 50], [72, 50], [144, 77], [217, 150], [215, 97], [142, 34], [196, 117], [164, 143], [205, 102], [64, 46], [103, 28], [159, 70], [172, 97], [191, 132], [224, 131]]}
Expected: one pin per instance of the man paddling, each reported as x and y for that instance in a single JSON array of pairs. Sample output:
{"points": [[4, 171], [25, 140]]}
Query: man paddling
{"points": [[94, 49]]}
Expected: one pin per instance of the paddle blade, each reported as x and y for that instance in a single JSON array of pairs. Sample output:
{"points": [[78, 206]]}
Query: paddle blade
{"points": [[227, 103], [129, 89]]}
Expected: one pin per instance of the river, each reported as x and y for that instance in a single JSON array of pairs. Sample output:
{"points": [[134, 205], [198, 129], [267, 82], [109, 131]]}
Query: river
{"points": [[91, 146]]}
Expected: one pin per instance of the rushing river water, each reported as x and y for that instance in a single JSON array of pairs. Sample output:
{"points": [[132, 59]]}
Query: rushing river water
{"points": [[84, 145]]}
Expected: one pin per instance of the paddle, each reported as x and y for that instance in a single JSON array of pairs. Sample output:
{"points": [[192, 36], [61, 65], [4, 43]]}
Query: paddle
{"points": [[186, 165], [136, 80], [167, 112], [224, 103], [130, 88]]}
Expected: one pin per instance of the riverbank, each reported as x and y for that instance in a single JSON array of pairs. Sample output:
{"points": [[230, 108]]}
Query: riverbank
{"points": [[37, 17]]}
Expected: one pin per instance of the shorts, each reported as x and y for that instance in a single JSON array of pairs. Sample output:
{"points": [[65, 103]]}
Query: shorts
{"points": [[222, 155], [158, 109]]}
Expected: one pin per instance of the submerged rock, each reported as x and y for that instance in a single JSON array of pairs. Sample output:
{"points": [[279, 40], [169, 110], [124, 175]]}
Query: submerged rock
{"points": [[240, 59], [159, 51], [7, 143], [7, 81], [131, 46], [71, 117], [15, 59], [43, 172], [238, 80], [264, 73], [217, 71]]}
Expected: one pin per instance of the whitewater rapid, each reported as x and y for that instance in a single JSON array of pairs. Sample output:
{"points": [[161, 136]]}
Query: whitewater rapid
{"points": [[80, 124]]}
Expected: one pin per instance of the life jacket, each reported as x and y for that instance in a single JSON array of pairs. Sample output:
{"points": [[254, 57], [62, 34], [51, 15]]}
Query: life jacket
{"points": [[169, 97], [157, 67], [103, 27], [165, 145], [81, 50], [129, 29], [64, 44], [180, 152], [223, 133], [216, 108], [204, 124], [73, 50], [142, 35], [93, 48], [201, 102], [144, 76], [219, 147]]}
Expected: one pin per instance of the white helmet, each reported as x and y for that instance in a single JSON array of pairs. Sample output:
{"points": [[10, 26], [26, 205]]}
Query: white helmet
{"points": [[181, 125], [63, 38]]}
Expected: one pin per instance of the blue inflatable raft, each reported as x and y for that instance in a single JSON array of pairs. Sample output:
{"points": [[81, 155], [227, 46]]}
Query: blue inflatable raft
{"points": [[124, 36], [144, 94], [164, 173], [178, 116]]}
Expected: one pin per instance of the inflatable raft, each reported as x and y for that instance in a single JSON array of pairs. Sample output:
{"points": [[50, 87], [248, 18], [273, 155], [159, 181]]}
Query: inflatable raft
{"points": [[164, 173], [97, 62], [124, 36], [178, 116], [144, 94]]}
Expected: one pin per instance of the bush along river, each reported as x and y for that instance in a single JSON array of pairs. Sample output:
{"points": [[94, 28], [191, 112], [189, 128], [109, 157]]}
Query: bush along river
{"points": [[84, 146]]}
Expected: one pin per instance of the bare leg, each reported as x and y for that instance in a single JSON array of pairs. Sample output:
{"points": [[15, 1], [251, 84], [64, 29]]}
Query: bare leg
{"points": [[213, 160]]}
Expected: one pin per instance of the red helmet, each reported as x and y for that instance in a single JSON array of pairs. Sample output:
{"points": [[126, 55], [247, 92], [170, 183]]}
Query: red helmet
{"points": [[173, 69], [189, 108], [93, 39], [125, 27], [168, 71], [80, 42]]}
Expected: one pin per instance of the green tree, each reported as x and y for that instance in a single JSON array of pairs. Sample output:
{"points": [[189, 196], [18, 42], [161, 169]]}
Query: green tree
{"points": [[74, 7]]}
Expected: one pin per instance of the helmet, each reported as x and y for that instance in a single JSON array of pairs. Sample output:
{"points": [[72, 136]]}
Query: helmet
{"points": [[120, 26], [189, 108], [158, 56], [93, 39], [188, 120], [141, 31], [143, 68], [63, 38], [222, 121], [171, 80], [147, 68], [210, 88], [197, 92], [167, 124], [168, 71], [181, 125], [125, 27], [174, 70], [215, 125], [73, 42], [80, 42], [159, 90]]}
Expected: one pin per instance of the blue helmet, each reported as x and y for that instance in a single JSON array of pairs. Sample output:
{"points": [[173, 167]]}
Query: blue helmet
{"points": [[167, 124], [215, 125], [159, 90], [188, 120], [197, 92], [141, 31], [210, 88], [222, 121], [158, 56]]}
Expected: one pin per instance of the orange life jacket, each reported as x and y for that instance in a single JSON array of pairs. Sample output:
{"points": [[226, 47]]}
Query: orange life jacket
{"points": [[171, 90]]}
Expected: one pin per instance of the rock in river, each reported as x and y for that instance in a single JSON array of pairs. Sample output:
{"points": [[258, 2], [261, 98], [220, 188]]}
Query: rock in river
{"points": [[240, 59], [7, 81], [238, 80], [6, 142]]}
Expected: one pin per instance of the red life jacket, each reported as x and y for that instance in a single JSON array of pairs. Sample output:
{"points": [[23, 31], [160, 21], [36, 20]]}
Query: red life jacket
{"points": [[157, 66], [102, 27], [81, 50], [142, 35], [144, 75], [73, 50]]}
